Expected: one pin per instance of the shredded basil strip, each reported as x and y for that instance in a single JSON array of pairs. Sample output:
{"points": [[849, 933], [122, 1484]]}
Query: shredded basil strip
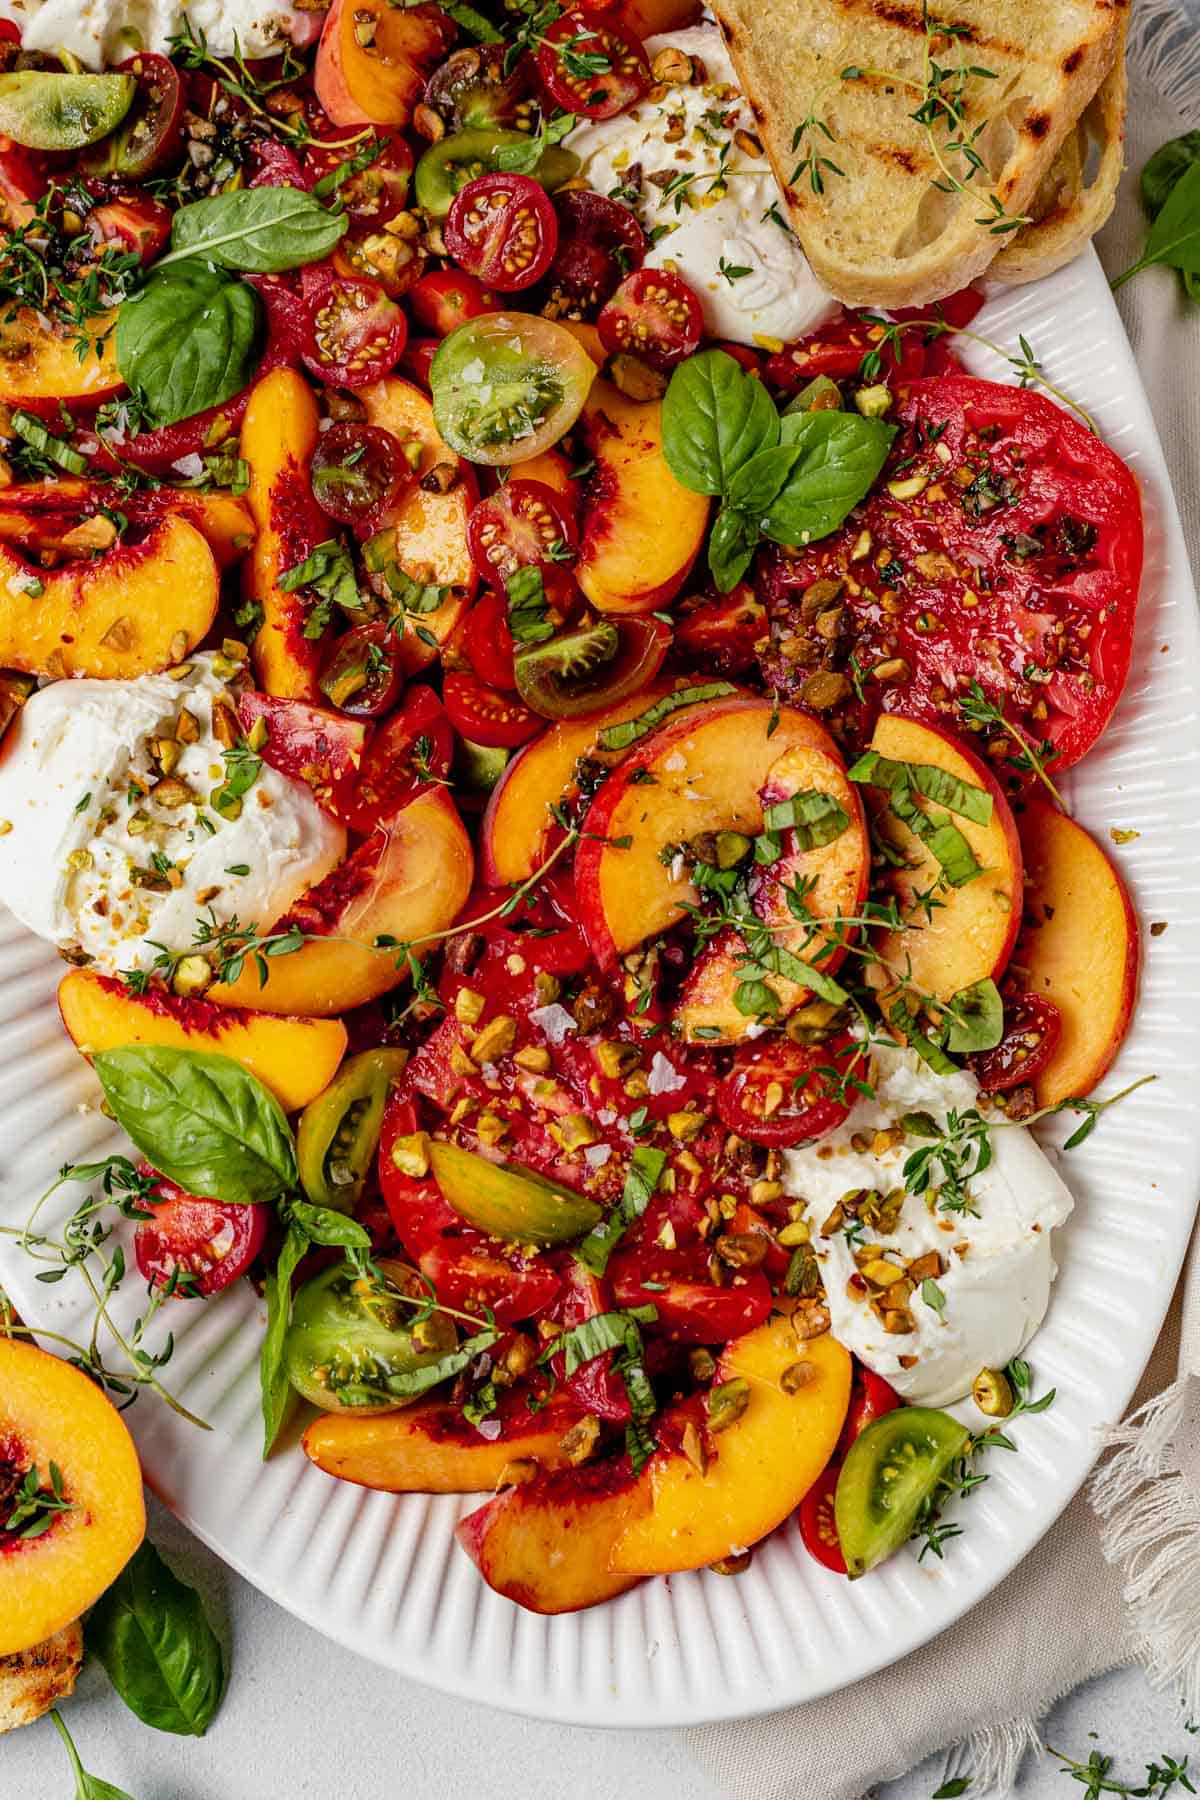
{"points": [[55, 449], [591, 1338], [528, 606], [408, 1384], [619, 737], [815, 818], [641, 1180], [941, 836], [930, 1053], [926, 779]]}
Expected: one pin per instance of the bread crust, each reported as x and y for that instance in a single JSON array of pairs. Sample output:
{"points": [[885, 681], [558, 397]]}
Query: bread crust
{"points": [[881, 233], [32, 1681]]}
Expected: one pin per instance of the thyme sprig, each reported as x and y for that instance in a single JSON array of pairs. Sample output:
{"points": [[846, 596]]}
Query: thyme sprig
{"points": [[1095, 1776], [962, 1477], [1026, 365]]}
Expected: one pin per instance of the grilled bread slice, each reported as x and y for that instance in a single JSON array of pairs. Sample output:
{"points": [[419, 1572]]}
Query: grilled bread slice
{"points": [[33, 1681], [875, 195], [1069, 213]]}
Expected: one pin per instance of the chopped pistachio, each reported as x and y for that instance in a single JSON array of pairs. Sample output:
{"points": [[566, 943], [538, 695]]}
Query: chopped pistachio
{"points": [[468, 1006], [727, 1402], [496, 1039], [411, 1154]]}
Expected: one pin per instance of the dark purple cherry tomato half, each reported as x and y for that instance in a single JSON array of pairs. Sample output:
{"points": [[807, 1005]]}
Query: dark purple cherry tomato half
{"points": [[591, 67], [362, 674], [654, 315], [356, 470], [599, 242], [1032, 1028], [150, 137], [503, 230]]}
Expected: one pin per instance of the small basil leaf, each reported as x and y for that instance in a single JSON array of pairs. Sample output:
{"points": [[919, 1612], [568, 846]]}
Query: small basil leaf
{"points": [[189, 340], [256, 231], [641, 1180], [1175, 235], [759, 482], [1166, 167], [715, 417], [202, 1120], [162, 1655], [276, 1388], [321, 1225], [976, 1015], [930, 1053], [87, 1787], [841, 455], [731, 548]]}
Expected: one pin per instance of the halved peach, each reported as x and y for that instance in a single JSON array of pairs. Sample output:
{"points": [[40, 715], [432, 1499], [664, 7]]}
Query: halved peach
{"points": [[51, 1413], [370, 62], [279, 435], [1078, 947], [135, 610], [969, 934], [517, 825], [407, 882], [834, 879], [295, 1058], [39, 364], [429, 529], [759, 1468], [707, 767], [548, 1544], [641, 529], [432, 1449], [37, 516]]}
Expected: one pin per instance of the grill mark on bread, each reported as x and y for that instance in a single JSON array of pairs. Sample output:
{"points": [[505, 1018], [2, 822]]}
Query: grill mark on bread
{"points": [[1072, 60], [1036, 125], [903, 17]]}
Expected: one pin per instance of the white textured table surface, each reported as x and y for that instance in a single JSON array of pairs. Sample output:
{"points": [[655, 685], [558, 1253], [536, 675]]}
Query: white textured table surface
{"points": [[305, 1718]]}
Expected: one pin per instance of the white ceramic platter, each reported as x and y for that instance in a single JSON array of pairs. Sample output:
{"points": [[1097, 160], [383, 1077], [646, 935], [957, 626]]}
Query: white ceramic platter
{"points": [[384, 1575]]}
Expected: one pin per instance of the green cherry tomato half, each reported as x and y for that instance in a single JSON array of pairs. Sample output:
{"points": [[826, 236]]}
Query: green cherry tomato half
{"points": [[46, 111], [355, 1346], [890, 1470], [339, 1130], [508, 386], [446, 167]]}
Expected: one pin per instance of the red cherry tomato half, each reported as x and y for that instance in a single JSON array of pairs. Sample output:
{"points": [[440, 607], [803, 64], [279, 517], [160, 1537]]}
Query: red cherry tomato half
{"points": [[818, 1525], [354, 332], [599, 242], [720, 635], [372, 194], [502, 229], [654, 315], [274, 165], [747, 1099], [522, 523], [150, 137], [134, 225], [1032, 1029], [414, 747], [202, 1244], [446, 298], [417, 359], [362, 674], [488, 643], [356, 471], [870, 1397], [592, 68], [485, 716], [691, 1308]]}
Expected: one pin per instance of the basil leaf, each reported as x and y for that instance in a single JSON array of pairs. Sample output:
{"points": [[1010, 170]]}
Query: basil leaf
{"points": [[759, 482], [941, 836], [472, 22], [202, 1120], [321, 1225], [976, 1018], [256, 231], [329, 572], [189, 340], [815, 818], [276, 1389], [930, 1053], [961, 797], [841, 455], [1174, 238], [87, 1787], [523, 159], [619, 737], [715, 417], [1167, 166], [779, 961], [641, 1180], [731, 548], [162, 1656], [584, 1342], [528, 606]]}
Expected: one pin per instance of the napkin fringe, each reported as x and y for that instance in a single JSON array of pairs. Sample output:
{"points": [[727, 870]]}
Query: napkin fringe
{"points": [[1150, 1529], [1164, 48], [995, 1754]]}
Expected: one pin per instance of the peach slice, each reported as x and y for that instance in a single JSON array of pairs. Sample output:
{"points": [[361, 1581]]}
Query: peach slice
{"points": [[370, 60], [641, 529], [279, 435], [431, 1448], [407, 882], [39, 365], [835, 878], [548, 1544], [295, 1058], [648, 18], [760, 1467], [34, 516], [708, 767], [1078, 947], [135, 610], [429, 529], [969, 936], [517, 825], [51, 1413]]}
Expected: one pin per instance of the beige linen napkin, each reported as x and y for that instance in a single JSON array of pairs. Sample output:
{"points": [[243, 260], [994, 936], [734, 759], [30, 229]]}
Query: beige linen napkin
{"points": [[1118, 1577]]}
